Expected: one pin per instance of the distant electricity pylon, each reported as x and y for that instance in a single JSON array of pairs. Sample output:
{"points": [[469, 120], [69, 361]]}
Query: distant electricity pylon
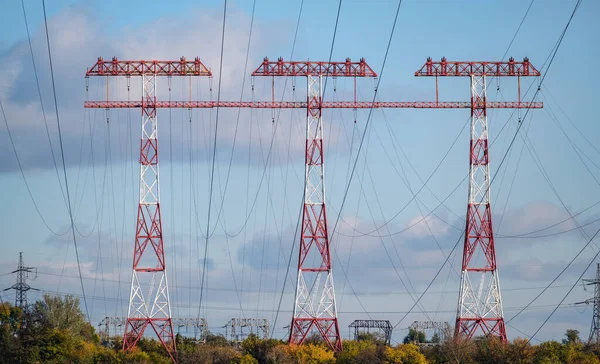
{"points": [[21, 287], [595, 328]]}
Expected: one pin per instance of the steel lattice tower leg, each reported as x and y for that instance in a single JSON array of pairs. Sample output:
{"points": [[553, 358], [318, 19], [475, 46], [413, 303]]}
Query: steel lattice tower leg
{"points": [[149, 303], [479, 305], [595, 329], [314, 305]]}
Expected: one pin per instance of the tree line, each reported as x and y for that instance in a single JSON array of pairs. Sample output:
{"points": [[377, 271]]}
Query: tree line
{"points": [[54, 330]]}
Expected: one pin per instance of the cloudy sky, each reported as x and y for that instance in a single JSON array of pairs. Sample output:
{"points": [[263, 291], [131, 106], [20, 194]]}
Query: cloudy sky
{"points": [[388, 245]]}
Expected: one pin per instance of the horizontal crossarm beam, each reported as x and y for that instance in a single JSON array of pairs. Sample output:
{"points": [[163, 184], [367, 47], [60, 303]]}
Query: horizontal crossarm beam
{"points": [[116, 67], [311, 68], [301, 104], [452, 68]]}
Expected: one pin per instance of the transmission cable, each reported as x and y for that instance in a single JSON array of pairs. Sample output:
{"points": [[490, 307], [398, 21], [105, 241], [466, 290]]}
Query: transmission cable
{"points": [[237, 123], [63, 160], [368, 119], [572, 287], [212, 175], [37, 82]]}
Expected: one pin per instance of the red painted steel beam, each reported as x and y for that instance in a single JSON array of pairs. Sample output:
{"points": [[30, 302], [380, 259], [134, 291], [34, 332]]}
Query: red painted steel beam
{"points": [[302, 104], [310, 68], [451, 68], [117, 67]]}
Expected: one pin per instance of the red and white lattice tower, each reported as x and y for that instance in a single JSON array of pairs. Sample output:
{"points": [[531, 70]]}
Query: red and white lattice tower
{"points": [[479, 300], [149, 303], [314, 306]]}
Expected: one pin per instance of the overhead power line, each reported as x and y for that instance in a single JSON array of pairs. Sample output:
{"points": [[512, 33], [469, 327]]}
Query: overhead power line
{"points": [[62, 154], [212, 174]]}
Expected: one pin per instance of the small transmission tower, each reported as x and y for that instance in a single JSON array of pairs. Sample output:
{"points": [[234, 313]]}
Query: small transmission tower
{"points": [[21, 287], [595, 328]]}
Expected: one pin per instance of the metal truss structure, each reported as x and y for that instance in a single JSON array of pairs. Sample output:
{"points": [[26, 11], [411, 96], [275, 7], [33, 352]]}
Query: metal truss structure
{"points": [[115, 326], [477, 69], [479, 302], [594, 337], [308, 68], [234, 328], [303, 105], [362, 326], [314, 305], [441, 328], [21, 287], [149, 303], [116, 67]]}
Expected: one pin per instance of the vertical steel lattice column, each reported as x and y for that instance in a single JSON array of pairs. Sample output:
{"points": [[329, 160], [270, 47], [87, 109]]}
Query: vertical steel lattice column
{"points": [[595, 328], [479, 306], [148, 306], [315, 300]]}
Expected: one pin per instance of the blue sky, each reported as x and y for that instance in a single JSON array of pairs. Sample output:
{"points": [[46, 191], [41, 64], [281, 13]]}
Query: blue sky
{"points": [[104, 186]]}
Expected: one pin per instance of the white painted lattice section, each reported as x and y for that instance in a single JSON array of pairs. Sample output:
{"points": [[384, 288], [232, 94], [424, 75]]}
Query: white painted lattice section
{"points": [[315, 174], [479, 299], [149, 187], [479, 186]]}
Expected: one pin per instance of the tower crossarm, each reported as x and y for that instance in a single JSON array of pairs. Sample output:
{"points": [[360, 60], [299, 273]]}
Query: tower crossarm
{"points": [[481, 68], [116, 67], [325, 104], [347, 68]]}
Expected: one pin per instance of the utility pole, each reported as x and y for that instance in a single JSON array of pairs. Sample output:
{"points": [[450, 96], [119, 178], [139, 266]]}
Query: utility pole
{"points": [[21, 287], [595, 327]]}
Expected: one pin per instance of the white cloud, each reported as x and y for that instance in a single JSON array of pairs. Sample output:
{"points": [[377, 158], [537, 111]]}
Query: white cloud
{"points": [[421, 226]]}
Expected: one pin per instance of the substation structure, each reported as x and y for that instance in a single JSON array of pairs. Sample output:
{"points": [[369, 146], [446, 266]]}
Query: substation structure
{"points": [[115, 326], [364, 326], [440, 328], [234, 329], [314, 307]]}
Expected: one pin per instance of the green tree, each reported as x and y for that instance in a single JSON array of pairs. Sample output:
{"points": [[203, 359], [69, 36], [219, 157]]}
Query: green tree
{"points": [[520, 351], [210, 354], [11, 319], [357, 352], [65, 314], [375, 337], [248, 359], [218, 340], [460, 350], [572, 337], [258, 348], [489, 350], [550, 352], [414, 336]]}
